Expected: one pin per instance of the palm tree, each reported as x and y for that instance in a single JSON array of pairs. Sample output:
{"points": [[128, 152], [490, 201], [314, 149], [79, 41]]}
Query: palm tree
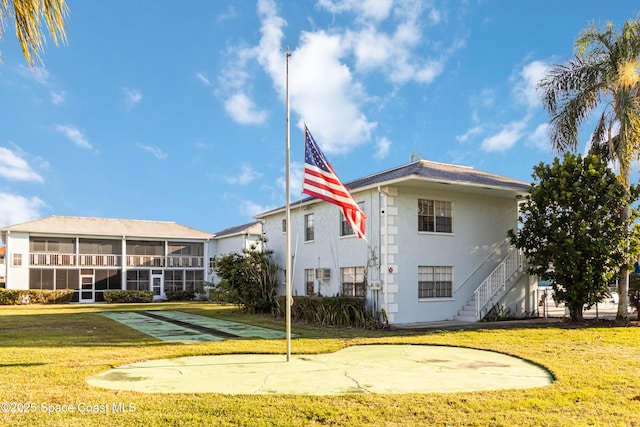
{"points": [[28, 16], [603, 74]]}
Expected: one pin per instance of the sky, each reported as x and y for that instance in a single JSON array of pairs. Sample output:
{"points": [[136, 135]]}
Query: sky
{"points": [[158, 110]]}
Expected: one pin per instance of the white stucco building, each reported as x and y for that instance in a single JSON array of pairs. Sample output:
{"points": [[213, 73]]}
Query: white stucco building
{"points": [[91, 255], [436, 244]]}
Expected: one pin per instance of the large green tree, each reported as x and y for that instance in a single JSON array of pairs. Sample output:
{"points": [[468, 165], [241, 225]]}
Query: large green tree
{"points": [[28, 16], [570, 228], [601, 77]]}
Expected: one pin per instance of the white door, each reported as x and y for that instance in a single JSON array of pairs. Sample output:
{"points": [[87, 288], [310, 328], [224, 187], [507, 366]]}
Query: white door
{"points": [[86, 289], [157, 285]]}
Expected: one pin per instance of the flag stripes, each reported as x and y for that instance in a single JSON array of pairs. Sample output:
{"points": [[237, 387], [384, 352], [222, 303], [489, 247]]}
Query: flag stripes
{"points": [[320, 181]]}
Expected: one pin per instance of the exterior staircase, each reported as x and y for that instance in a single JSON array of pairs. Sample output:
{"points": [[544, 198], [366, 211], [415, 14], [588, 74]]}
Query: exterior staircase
{"points": [[494, 287]]}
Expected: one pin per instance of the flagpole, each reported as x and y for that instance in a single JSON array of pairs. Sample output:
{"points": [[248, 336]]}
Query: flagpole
{"points": [[288, 222]]}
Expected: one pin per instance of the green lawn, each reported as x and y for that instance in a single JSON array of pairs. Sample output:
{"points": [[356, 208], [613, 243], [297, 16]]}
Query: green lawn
{"points": [[47, 352]]}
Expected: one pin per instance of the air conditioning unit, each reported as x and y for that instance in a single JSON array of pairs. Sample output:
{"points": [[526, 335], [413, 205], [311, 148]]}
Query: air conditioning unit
{"points": [[323, 273]]}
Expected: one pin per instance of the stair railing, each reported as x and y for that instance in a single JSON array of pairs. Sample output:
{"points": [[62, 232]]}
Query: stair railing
{"points": [[497, 280]]}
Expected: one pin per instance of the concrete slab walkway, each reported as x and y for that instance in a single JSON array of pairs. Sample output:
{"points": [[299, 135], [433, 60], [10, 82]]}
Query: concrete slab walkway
{"points": [[387, 369]]}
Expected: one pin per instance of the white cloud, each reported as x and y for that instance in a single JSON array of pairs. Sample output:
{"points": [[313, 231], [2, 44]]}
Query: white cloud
{"points": [[366, 10], [526, 87], [203, 78], [394, 52], [74, 135], [15, 209], [324, 92], [296, 176], [132, 97], [477, 130], [383, 147], [39, 74], [247, 174], [156, 151], [227, 14], [539, 138], [506, 138], [249, 209], [243, 110], [58, 98], [14, 167]]}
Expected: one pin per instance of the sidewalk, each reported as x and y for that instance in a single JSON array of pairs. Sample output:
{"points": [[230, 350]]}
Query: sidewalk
{"points": [[549, 314]]}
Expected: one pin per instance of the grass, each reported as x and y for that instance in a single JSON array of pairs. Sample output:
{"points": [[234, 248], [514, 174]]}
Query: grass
{"points": [[47, 352]]}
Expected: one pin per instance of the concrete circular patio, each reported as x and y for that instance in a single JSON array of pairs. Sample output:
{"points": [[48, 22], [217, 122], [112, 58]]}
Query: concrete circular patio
{"points": [[384, 369]]}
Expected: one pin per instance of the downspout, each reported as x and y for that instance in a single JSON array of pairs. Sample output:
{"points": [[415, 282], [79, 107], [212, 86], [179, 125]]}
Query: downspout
{"points": [[384, 262]]}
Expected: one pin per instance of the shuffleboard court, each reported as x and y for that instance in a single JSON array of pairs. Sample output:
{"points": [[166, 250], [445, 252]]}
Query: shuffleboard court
{"points": [[187, 328]]}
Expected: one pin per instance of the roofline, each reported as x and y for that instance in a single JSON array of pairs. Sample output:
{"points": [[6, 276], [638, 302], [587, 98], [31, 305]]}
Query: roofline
{"points": [[310, 200], [19, 228]]}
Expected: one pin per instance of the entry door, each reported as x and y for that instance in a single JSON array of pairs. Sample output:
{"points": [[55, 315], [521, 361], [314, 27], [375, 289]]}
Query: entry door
{"points": [[86, 289], [157, 285]]}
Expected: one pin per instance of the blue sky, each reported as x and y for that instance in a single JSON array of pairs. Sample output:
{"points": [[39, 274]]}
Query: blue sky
{"points": [[167, 111]]}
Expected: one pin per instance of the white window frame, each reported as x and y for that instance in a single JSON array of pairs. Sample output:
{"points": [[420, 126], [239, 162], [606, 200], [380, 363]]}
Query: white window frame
{"points": [[356, 288], [430, 280], [440, 209], [309, 227]]}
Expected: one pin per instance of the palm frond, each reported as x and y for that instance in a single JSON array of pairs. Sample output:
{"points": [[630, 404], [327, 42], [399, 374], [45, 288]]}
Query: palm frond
{"points": [[28, 15]]}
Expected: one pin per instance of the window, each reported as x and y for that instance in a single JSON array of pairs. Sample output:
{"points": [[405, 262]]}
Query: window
{"points": [[67, 279], [107, 279], [353, 281], [434, 216], [435, 282], [345, 227], [173, 280], [308, 227], [193, 279], [41, 278], [138, 280], [100, 247], [284, 225], [178, 248], [55, 245], [309, 280], [145, 248], [17, 260]]}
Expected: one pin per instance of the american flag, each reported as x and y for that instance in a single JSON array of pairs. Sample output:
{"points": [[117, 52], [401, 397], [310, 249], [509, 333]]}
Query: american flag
{"points": [[321, 181]]}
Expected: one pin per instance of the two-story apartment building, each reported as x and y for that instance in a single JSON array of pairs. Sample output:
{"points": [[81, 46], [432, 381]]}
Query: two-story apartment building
{"points": [[436, 246], [91, 255]]}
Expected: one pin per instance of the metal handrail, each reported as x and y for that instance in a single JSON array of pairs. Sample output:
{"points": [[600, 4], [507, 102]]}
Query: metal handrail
{"points": [[497, 280]]}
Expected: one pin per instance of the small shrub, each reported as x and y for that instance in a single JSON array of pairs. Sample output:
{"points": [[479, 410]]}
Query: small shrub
{"points": [[339, 311], [128, 296], [500, 312], [35, 296], [180, 295]]}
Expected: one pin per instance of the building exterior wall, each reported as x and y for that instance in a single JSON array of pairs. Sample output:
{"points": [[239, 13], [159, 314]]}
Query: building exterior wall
{"points": [[171, 265], [18, 275], [395, 248]]}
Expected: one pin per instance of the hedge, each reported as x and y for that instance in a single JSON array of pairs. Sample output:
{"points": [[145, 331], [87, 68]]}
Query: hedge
{"points": [[180, 295], [35, 296], [128, 296], [339, 311]]}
